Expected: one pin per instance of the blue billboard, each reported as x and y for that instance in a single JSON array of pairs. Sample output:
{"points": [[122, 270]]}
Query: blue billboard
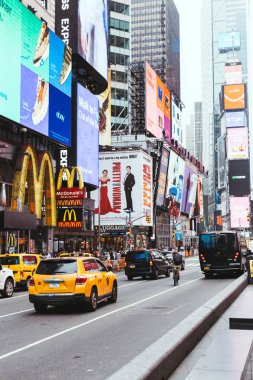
{"points": [[87, 135], [229, 41]]}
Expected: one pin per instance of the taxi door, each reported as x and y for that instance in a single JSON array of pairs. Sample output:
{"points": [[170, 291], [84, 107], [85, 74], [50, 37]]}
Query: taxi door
{"points": [[106, 278], [92, 268]]}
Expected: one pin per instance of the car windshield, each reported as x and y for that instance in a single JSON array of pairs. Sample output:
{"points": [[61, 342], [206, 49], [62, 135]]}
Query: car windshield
{"points": [[9, 260], [221, 242], [140, 256], [57, 267]]}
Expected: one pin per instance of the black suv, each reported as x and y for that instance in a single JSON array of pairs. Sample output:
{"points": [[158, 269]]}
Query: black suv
{"points": [[145, 263]]}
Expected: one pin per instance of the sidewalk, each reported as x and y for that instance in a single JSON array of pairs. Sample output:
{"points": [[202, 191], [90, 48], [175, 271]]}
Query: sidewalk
{"points": [[242, 307]]}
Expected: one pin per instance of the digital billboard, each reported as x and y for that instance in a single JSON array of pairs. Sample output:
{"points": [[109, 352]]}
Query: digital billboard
{"points": [[190, 189], [239, 210], [238, 176], [38, 96], [175, 180], [176, 121], [224, 203], [237, 143], [126, 182], [233, 74], [87, 135], [221, 151], [229, 41], [234, 97], [157, 107], [162, 177], [105, 114], [199, 206], [235, 119]]}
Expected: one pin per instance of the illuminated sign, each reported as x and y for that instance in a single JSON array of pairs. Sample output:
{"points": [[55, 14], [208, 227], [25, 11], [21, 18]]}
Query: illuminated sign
{"points": [[235, 119], [70, 218], [162, 177], [238, 176], [34, 174], [233, 74], [237, 143], [239, 210], [234, 97]]}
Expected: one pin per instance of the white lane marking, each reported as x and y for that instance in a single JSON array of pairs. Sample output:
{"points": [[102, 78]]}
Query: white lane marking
{"points": [[12, 298], [134, 283], [16, 312], [94, 320]]}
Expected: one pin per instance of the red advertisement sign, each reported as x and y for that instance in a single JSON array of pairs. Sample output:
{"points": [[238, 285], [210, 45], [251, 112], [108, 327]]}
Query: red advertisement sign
{"points": [[72, 193]]}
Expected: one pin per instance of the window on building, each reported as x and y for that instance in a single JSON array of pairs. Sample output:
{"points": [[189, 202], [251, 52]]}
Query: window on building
{"points": [[118, 76], [120, 42], [119, 94], [119, 8], [119, 59], [119, 25]]}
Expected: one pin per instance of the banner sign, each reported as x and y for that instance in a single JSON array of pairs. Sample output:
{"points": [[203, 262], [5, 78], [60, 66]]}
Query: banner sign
{"points": [[73, 193]]}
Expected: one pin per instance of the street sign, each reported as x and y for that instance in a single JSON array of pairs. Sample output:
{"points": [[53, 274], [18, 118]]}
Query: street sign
{"points": [[129, 224]]}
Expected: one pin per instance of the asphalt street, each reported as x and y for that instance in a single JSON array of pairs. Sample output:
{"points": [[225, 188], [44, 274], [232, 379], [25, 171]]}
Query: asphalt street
{"points": [[68, 344]]}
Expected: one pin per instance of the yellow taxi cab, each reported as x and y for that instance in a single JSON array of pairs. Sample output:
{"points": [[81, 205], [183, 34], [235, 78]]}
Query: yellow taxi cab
{"points": [[72, 280], [75, 254], [23, 266]]}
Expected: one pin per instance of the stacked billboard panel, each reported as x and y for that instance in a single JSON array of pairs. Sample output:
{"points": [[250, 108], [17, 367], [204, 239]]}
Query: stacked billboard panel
{"points": [[175, 184], [35, 76]]}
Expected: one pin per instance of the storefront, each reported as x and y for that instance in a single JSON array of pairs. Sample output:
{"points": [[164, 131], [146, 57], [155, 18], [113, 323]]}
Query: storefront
{"points": [[111, 237]]}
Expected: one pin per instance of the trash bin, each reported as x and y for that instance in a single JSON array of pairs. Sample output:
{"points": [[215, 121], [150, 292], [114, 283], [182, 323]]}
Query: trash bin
{"points": [[250, 268]]}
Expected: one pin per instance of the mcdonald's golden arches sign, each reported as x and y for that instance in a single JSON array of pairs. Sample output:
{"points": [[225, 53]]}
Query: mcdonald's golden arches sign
{"points": [[70, 217]]}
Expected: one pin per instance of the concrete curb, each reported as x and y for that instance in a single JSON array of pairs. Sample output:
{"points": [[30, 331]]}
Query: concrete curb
{"points": [[160, 359]]}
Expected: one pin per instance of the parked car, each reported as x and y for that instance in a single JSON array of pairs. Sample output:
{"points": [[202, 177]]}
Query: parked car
{"points": [[145, 263], [6, 282], [73, 280]]}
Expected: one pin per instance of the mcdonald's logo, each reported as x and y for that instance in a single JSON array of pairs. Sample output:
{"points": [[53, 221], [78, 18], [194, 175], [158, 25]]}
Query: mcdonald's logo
{"points": [[70, 177], [70, 218], [34, 175], [12, 241], [69, 213]]}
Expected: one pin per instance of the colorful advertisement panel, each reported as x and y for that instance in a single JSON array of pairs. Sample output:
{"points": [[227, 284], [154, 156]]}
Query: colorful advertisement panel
{"points": [[238, 176], [239, 210], [237, 143], [175, 180], [42, 64], [162, 177], [221, 151], [229, 41], [158, 115], [126, 183], [105, 114], [87, 135], [189, 191], [199, 206], [235, 119], [234, 97], [176, 121], [233, 74], [224, 207]]}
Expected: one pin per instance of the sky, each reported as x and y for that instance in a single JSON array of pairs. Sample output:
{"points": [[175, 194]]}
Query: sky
{"points": [[190, 53]]}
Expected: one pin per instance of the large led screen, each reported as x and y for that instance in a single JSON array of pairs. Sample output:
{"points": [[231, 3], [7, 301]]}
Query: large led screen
{"points": [[239, 210], [176, 121], [175, 181], [235, 119], [126, 183], [35, 76], [234, 97], [233, 74], [189, 191], [221, 151], [158, 115], [229, 41], [162, 177], [87, 135], [237, 143], [105, 114], [238, 176]]}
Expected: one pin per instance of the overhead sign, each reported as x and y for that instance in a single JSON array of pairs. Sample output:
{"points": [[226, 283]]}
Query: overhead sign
{"points": [[70, 218], [239, 210], [238, 175]]}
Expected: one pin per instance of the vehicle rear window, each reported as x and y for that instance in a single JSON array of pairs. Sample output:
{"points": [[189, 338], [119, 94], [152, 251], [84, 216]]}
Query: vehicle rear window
{"points": [[9, 260], [221, 242], [57, 267], [29, 260], [140, 256]]}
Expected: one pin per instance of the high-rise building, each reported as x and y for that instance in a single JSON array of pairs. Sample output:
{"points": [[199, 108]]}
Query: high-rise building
{"points": [[155, 38], [119, 60], [194, 133]]}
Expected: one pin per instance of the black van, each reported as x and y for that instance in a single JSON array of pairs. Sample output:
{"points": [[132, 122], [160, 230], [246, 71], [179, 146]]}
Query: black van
{"points": [[221, 252], [145, 263]]}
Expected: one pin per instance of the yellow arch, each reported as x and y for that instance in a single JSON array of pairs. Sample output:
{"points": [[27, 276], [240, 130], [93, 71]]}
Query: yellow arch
{"points": [[70, 177], [37, 171]]}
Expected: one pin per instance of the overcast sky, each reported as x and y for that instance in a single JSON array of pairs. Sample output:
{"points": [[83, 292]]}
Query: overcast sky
{"points": [[190, 57]]}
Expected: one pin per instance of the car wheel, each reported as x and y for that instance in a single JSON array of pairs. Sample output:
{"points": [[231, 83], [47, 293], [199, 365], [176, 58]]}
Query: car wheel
{"points": [[8, 288], [168, 273], [155, 276], [40, 308], [129, 277], [114, 295], [93, 302]]}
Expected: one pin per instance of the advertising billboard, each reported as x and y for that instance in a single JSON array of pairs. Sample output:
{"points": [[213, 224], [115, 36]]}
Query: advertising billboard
{"points": [[237, 143], [239, 210], [70, 217], [199, 207], [190, 189], [157, 107], [234, 97], [87, 135], [224, 207], [105, 114], [38, 96], [235, 119], [233, 74], [238, 176], [221, 151], [175, 181], [126, 183], [229, 41], [162, 177], [83, 25], [176, 121]]}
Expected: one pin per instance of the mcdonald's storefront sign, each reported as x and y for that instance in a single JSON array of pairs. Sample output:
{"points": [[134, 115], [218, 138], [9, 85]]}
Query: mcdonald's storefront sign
{"points": [[12, 240], [70, 218]]}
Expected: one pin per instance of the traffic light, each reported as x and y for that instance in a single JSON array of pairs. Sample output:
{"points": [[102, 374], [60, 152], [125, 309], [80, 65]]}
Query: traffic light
{"points": [[148, 219]]}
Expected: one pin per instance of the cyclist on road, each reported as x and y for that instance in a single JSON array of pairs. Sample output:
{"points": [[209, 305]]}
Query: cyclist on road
{"points": [[177, 261]]}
